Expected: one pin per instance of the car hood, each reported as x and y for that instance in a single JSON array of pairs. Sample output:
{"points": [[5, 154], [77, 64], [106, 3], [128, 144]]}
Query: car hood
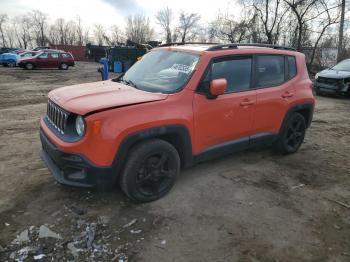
{"points": [[330, 73], [86, 98]]}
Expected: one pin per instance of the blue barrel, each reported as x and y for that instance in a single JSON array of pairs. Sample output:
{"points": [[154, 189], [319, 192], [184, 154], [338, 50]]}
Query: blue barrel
{"points": [[118, 67]]}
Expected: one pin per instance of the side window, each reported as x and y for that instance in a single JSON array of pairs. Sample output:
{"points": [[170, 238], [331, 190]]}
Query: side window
{"points": [[54, 55], [292, 67], [269, 70], [43, 55], [66, 55], [236, 71]]}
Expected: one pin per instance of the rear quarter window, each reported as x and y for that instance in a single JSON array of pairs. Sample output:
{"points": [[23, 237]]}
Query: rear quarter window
{"points": [[66, 55], [292, 67]]}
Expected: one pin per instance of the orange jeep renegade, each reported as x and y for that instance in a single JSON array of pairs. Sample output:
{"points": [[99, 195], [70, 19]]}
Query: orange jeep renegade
{"points": [[179, 105]]}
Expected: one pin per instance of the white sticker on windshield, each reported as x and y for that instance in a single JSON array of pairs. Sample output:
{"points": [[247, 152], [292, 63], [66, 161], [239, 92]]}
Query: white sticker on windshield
{"points": [[182, 68]]}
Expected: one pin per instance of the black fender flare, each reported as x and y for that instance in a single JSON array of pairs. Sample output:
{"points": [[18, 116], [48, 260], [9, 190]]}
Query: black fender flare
{"points": [[307, 107], [177, 135]]}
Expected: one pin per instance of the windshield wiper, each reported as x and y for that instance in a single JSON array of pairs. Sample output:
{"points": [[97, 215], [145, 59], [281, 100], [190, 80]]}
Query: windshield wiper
{"points": [[129, 83]]}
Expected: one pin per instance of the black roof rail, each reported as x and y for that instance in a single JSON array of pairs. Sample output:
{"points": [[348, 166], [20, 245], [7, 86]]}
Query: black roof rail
{"points": [[236, 45], [186, 43]]}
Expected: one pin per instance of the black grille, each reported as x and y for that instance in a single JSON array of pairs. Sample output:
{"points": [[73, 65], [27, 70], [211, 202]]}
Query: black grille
{"points": [[57, 116], [329, 81]]}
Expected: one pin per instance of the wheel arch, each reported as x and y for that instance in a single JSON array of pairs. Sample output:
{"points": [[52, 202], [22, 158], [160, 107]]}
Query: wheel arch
{"points": [[306, 110], [177, 135]]}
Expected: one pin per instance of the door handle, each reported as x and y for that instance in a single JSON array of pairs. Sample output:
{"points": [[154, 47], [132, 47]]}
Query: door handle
{"points": [[247, 103], [287, 94]]}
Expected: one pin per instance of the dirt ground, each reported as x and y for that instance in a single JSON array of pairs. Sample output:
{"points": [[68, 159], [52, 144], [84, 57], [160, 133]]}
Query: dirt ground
{"points": [[251, 206]]}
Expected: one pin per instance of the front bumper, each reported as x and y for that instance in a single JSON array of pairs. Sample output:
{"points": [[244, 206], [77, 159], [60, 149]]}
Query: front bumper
{"points": [[331, 89], [73, 169]]}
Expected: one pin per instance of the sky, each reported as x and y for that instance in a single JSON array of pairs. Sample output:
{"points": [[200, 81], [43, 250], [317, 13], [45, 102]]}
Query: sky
{"points": [[113, 12]]}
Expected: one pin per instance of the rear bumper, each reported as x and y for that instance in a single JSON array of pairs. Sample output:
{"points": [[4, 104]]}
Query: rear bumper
{"points": [[73, 169]]}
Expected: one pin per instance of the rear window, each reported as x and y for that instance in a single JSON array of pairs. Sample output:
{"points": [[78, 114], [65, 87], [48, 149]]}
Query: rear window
{"points": [[269, 70], [66, 55]]}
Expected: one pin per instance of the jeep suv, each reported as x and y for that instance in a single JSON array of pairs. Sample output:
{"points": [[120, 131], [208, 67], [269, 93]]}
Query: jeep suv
{"points": [[177, 106]]}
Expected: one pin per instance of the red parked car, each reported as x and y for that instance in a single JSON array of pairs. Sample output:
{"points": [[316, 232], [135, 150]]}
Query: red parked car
{"points": [[61, 60]]}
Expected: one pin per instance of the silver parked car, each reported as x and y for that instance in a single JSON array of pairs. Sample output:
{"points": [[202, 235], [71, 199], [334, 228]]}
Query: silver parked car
{"points": [[334, 80]]}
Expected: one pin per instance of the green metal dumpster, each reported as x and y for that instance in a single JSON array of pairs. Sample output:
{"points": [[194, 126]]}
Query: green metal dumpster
{"points": [[127, 55]]}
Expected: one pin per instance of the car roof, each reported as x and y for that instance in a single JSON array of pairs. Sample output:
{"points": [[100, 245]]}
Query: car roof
{"points": [[226, 48]]}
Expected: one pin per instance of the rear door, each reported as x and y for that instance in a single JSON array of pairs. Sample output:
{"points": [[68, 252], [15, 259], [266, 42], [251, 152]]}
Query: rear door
{"points": [[274, 82], [229, 117], [54, 60]]}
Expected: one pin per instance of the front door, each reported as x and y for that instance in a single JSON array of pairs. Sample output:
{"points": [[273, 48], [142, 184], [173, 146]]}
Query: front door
{"points": [[228, 117], [42, 60]]}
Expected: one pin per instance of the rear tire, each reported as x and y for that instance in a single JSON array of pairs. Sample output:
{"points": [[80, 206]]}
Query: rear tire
{"points": [[29, 66], [64, 66], [150, 170], [292, 134]]}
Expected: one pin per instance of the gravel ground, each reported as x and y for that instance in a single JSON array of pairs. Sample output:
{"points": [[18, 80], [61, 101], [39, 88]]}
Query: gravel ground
{"points": [[251, 206]]}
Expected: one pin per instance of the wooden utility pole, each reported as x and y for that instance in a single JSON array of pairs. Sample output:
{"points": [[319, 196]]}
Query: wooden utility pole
{"points": [[341, 32]]}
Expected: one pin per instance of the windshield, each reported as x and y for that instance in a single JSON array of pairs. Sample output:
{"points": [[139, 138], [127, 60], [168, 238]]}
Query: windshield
{"points": [[161, 71], [343, 65]]}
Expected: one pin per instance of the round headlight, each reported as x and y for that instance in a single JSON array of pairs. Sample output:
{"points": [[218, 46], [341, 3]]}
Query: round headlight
{"points": [[80, 125]]}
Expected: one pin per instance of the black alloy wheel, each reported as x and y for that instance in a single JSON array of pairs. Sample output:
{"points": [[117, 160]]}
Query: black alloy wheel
{"points": [[150, 170], [292, 134]]}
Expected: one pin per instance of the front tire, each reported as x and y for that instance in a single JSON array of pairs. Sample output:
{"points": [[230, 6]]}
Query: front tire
{"points": [[292, 134], [150, 170]]}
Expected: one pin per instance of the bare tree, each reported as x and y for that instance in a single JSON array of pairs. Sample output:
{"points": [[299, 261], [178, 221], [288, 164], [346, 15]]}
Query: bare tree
{"points": [[10, 34], [187, 24], [3, 20], [79, 31], [138, 28], [53, 35], [164, 18], [228, 29], [22, 26], [60, 25], [304, 11], [271, 14], [99, 33], [39, 26], [116, 35], [86, 37], [71, 33], [324, 24]]}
